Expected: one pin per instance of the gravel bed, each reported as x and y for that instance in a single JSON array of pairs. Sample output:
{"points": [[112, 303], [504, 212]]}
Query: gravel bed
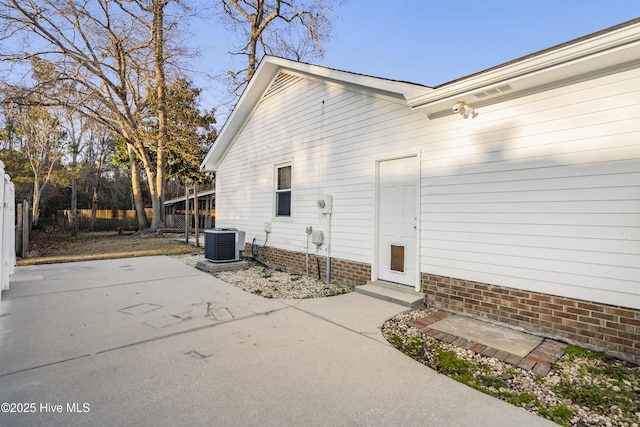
{"points": [[582, 389], [270, 283]]}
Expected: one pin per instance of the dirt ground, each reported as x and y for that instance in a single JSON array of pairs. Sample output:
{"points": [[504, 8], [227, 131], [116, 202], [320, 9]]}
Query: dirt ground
{"points": [[47, 246]]}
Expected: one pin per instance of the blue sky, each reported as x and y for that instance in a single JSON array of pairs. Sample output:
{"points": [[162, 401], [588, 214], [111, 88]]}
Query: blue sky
{"points": [[433, 42]]}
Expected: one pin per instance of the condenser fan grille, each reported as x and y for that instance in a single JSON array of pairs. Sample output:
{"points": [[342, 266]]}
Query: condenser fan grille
{"points": [[223, 245]]}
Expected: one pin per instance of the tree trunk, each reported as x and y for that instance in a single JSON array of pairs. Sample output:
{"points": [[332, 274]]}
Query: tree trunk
{"points": [[95, 199], [253, 40], [35, 208], [151, 170], [136, 188], [94, 204], [74, 204], [157, 222], [73, 220], [95, 196]]}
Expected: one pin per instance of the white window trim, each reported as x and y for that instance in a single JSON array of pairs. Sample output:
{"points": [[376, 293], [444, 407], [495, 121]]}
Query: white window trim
{"points": [[276, 191]]}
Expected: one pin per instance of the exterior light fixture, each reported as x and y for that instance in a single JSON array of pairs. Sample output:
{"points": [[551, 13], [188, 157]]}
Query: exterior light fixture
{"points": [[464, 110]]}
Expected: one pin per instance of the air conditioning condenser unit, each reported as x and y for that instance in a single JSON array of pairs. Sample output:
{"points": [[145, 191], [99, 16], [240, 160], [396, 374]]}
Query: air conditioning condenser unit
{"points": [[223, 244]]}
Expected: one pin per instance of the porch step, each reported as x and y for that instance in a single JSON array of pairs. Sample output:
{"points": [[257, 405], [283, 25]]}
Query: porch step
{"points": [[392, 293]]}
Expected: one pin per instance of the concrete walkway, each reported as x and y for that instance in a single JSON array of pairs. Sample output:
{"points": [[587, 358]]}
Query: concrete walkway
{"points": [[151, 341]]}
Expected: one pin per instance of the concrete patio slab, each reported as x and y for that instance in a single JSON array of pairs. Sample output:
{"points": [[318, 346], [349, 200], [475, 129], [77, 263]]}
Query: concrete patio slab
{"points": [[356, 312], [88, 307], [66, 348]]}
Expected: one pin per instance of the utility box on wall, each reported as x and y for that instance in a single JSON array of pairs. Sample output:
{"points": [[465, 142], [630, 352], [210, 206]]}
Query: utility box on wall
{"points": [[325, 204], [317, 238]]}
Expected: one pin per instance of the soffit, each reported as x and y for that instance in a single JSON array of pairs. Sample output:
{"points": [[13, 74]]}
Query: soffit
{"points": [[599, 55]]}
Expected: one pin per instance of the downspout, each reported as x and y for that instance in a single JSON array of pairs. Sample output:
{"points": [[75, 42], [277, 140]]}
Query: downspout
{"points": [[306, 248], [329, 247]]}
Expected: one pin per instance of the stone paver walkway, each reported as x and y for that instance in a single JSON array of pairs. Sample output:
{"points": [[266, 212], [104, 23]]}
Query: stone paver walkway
{"points": [[539, 360]]}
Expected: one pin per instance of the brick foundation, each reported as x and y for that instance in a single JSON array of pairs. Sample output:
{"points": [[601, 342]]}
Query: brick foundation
{"points": [[343, 272], [612, 329]]}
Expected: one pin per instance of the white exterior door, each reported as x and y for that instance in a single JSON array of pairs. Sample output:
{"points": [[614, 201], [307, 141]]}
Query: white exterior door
{"points": [[397, 220]]}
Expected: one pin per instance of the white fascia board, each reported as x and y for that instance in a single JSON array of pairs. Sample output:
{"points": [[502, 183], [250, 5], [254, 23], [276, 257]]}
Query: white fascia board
{"points": [[405, 89], [605, 50], [264, 75]]}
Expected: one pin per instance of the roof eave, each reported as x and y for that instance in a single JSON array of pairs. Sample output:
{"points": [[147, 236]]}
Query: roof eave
{"points": [[267, 71], [573, 59], [264, 75]]}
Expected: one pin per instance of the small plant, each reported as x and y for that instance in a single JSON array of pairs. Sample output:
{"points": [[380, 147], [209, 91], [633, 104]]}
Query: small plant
{"points": [[560, 414], [521, 399], [416, 342], [335, 292], [589, 395], [448, 363], [412, 346], [396, 340], [573, 351], [257, 292], [258, 263], [492, 382], [511, 373], [617, 371]]}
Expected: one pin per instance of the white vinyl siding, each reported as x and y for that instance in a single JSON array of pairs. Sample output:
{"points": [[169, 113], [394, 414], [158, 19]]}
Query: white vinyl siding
{"points": [[332, 152], [538, 193], [547, 201]]}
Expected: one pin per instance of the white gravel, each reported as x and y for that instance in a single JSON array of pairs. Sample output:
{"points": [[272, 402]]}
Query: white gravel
{"points": [[271, 283], [592, 379]]}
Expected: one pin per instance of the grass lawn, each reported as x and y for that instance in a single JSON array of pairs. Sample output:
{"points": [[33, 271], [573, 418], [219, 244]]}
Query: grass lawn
{"points": [[47, 247]]}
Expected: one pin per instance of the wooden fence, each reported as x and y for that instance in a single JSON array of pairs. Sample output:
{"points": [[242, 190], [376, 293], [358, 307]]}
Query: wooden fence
{"points": [[106, 219]]}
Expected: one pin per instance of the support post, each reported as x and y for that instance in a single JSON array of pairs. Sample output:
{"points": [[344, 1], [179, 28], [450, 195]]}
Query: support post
{"points": [[24, 235], [207, 218], [196, 213], [20, 231], [186, 214]]}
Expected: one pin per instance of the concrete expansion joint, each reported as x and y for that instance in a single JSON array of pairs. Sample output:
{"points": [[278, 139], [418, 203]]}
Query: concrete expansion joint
{"points": [[137, 343], [364, 334], [114, 285]]}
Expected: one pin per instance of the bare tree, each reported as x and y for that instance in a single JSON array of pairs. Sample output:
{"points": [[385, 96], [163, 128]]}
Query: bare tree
{"points": [[43, 142], [157, 29], [101, 145], [109, 54], [76, 129], [293, 29]]}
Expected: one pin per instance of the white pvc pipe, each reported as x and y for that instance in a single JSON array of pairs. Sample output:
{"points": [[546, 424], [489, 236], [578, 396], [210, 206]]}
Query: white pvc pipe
{"points": [[329, 248]]}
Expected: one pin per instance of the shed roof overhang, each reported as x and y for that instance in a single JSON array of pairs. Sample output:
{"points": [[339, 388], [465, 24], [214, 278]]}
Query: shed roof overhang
{"points": [[598, 54]]}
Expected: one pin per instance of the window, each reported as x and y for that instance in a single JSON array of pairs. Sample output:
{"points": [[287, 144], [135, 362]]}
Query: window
{"points": [[283, 190]]}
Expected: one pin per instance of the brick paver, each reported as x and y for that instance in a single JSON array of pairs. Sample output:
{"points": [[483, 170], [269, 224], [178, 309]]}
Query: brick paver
{"points": [[539, 360]]}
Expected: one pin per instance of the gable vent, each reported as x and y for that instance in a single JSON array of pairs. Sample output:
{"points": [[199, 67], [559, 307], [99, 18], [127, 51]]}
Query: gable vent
{"points": [[283, 80], [492, 92]]}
